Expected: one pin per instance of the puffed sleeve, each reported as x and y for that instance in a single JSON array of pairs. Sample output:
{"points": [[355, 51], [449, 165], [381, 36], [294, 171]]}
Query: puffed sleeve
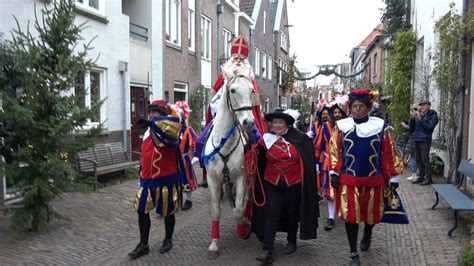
{"points": [[392, 160], [335, 147], [192, 137]]}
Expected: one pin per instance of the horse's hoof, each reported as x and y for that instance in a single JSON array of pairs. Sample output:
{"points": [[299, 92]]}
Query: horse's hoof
{"points": [[212, 254], [243, 230]]}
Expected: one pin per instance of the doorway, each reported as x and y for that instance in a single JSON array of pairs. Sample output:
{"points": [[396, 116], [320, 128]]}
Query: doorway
{"points": [[138, 110]]}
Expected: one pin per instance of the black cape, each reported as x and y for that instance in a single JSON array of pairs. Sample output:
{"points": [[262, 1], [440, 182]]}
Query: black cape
{"points": [[309, 208]]}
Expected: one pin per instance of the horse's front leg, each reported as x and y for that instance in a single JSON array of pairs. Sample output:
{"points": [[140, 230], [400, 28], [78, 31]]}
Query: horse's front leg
{"points": [[243, 228], [215, 185]]}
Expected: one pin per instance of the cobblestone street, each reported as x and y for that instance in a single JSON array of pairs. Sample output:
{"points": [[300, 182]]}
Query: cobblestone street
{"points": [[101, 229]]}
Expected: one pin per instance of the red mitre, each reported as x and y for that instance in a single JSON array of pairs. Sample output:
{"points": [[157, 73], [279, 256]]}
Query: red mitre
{"points": [[240, 48]]}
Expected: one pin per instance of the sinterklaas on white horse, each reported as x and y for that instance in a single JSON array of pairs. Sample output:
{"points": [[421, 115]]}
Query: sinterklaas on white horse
{"points": [[224, 148]]}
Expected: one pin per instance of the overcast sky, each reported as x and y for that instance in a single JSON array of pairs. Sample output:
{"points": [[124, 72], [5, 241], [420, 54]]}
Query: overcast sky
{"points": [[324, 32]]}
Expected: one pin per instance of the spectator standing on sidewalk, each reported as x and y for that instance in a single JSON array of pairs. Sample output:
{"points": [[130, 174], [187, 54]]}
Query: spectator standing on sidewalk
{"points": [[423, 123], [410, 147]]}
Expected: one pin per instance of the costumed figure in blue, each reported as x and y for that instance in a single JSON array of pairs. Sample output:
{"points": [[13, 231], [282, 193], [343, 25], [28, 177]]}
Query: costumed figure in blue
{"points": [[187, 138], [364, 160], [161, 174]]}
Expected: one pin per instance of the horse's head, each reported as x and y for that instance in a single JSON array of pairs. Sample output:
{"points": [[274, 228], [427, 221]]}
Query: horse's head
{"points": [[239, 92]]}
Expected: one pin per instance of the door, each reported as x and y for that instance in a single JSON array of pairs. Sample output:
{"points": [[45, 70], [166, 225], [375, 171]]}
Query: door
{"points": [[138, 106]]}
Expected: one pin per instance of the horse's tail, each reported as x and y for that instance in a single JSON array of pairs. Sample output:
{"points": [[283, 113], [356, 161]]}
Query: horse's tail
{"points": [[251, 171]]}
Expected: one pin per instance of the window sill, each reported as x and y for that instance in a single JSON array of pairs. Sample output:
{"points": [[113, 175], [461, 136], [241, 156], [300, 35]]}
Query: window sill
{"points": [[174, 46], [191, 52], [92, 15], [205, 59]]}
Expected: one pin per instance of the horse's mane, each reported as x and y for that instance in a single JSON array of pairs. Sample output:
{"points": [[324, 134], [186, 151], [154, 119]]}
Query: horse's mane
{"points": [[244, 69]]}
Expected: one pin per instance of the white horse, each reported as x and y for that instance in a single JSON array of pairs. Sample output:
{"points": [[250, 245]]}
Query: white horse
{"points": [[234, 111]]}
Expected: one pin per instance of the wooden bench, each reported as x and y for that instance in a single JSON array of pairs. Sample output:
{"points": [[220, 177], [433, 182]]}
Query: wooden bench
{"points": [[457, 200], [104, 158]]}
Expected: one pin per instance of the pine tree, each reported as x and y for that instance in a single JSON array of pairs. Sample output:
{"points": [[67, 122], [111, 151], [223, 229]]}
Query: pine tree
{"points": [[43, 120], [290, 77]]}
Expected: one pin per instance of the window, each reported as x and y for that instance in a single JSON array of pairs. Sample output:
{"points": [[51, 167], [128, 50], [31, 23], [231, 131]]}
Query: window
{"points": [[257, 62], [283, 65], [375, 64], [270, 68], [173, 22], [93, 6], [283, 41], [180, 91], [264, 65], [94, 84], [227, 37], [264, 21], [370, 72], [205, 37], [192, 26]]}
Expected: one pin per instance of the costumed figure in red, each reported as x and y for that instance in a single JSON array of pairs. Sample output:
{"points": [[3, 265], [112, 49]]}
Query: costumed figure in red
{"points": [[239, 53], [316, 135], [285, 191], [337, 111], [187, 145], [161, 174], [364, 159]]}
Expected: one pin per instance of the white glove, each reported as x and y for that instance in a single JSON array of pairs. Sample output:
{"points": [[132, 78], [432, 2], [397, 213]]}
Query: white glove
{"points": [[195, 160], [310, 134]]}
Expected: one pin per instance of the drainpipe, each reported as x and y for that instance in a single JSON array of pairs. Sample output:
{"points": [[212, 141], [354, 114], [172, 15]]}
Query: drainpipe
{"points": [[123, 69], [462, 91], [219, 10]]}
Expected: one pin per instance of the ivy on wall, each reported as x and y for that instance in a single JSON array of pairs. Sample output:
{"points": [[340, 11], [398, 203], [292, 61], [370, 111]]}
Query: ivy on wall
{"points": [[199, 99], [448, 75], [399, 75]]}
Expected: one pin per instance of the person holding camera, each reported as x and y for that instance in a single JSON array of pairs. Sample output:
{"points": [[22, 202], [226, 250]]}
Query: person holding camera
{"points": [[423, 122]]}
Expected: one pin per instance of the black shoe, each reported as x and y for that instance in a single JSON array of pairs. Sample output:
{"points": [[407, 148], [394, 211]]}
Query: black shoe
{"points": [[139, 251], [290, 248], [203, 184], [365, 244], [329, 225], [354, 260], [418, 181], [426, 183], [266, 257], [187, 205], [167, 245]]}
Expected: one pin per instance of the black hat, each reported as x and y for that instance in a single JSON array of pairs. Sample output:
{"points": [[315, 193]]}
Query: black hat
{"points": [[278, 112], [425, 102], [337, 106]]}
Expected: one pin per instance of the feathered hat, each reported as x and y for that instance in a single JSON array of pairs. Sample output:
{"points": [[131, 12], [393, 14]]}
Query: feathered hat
{"points": [[279, 112], [340, 103], [185, 107]]}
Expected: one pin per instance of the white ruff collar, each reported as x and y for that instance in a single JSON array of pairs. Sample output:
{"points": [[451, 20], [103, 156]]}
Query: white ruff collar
{"points": [[270, 139], [364, 130]]}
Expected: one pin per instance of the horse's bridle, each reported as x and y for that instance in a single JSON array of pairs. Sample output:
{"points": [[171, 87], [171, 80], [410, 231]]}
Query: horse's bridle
{"points": [[229, 102], [225, 157]]}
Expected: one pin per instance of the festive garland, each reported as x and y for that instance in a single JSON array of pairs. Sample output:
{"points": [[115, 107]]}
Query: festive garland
{"points": [[325, 72]]}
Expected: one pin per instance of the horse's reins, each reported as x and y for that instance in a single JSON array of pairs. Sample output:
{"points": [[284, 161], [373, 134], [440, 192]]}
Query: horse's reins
{"points": [[225, 158]]}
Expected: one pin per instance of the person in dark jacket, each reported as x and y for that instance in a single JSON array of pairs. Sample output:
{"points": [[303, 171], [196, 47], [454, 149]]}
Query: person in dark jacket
{"points": [[423, 123]]}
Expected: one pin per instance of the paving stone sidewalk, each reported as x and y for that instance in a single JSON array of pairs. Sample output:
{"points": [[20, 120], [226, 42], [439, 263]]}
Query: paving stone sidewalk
{"points": [[101, 229]]}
